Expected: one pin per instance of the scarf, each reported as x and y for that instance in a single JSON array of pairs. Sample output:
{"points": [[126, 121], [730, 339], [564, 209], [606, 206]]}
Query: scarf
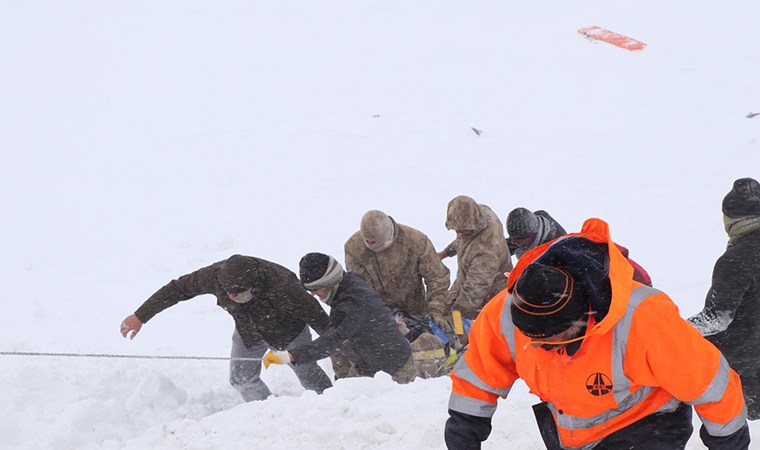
{"points": [[736, 228]]}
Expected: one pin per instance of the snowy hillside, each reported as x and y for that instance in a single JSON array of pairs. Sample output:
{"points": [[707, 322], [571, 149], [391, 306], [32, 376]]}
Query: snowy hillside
{"points": [[143, 140]]}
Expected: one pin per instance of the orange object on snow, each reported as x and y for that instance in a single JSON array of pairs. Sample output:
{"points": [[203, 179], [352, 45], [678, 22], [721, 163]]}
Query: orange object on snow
{"points": [[611, 37]]}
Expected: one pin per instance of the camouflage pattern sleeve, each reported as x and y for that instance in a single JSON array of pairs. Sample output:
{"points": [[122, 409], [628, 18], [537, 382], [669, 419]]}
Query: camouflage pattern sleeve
{"points": [[437, 278]]}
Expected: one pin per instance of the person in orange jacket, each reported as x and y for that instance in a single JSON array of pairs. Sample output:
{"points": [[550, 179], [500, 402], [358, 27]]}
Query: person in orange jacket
{"points": [[611, 359]]}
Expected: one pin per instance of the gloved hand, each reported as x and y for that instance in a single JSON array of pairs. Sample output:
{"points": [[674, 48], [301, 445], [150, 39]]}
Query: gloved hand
{"points": [[442, 323], [276, 357], [456, 317]]}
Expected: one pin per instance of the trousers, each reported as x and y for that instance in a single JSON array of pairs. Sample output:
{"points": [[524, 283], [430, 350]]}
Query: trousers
{"points": [[245, 376], [665, 431]]}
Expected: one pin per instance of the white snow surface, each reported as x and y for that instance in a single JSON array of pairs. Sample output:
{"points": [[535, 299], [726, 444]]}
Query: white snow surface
{"points": [[143, 140]]}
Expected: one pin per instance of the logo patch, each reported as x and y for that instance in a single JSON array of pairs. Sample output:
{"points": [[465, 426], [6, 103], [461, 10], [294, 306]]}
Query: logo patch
{"points": [[599, 384]]}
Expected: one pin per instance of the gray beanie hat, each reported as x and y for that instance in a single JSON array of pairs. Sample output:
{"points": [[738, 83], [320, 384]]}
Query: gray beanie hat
{"points": [[521, 223]]}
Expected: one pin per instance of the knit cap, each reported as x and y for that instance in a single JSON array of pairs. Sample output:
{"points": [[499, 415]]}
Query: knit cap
{"points": [[318, 271], [521, 223], [546, 301]]}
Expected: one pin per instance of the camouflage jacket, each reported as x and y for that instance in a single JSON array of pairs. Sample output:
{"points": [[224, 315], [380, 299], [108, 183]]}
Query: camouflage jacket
{"points": [[482, 258], [409, 275]]}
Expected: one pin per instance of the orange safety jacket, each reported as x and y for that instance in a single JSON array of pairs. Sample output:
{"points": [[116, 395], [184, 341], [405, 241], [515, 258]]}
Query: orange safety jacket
{"points": [[641, 358]]}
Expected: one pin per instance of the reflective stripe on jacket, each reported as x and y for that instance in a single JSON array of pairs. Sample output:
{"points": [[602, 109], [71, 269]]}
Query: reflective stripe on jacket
{"points": [[641, 358]]}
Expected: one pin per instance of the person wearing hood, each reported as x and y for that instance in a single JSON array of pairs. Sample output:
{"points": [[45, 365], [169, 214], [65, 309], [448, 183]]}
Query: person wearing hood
{"points": [[730, 318], [613, 362], [482, 254], [361, 327], [270, 310], [403, 267]]}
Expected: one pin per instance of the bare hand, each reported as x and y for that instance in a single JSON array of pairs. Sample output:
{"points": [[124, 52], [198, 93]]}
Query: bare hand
{"points": [[131, 326]]}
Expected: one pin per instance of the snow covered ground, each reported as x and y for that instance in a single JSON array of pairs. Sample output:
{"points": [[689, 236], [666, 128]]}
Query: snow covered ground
{"points": [[142, 140]]}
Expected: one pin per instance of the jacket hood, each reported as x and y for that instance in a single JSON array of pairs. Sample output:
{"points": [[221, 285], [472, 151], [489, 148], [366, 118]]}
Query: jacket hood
{"points": [[464, 213], [620, 272], [239, 273]]}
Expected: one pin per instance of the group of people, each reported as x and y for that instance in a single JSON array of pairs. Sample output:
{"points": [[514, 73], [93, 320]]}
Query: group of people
{"points": [[612, 361], [614, 364], [390, 310]]}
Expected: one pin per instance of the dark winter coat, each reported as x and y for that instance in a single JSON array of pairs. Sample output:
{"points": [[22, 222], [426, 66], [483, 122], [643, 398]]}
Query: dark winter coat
{"points": [[277, 314], [362, 328], [735, 293]]}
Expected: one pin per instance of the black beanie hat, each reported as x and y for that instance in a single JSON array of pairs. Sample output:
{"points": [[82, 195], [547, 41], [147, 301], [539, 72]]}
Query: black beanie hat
{"points": [[743, 200], [546, 301], [521, 223], [318, 270]]}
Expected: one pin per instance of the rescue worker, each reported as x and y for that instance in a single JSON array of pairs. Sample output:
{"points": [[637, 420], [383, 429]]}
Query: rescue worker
{"points": [[270, 309], [482, 255], [361, 326], [403, 267], [730, 318], [614, 364], [528, 230]]}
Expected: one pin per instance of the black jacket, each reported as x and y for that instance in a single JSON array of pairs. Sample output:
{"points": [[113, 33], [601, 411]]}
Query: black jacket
{"points": [[362, 328], [735, 291], [277, 314]]}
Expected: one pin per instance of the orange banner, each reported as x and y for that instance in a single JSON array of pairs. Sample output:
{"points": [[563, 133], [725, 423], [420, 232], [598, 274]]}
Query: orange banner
{"points": [[600, 34]]}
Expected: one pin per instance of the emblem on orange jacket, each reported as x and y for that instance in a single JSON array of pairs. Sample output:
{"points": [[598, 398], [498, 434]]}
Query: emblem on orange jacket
{"points": [[598, 384]]}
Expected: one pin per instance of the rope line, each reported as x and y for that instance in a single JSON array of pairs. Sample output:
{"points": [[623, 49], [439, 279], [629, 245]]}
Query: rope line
{"points": [[105, 355]]}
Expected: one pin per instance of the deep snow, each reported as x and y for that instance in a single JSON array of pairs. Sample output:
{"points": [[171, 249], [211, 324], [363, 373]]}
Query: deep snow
{"points": [[143, 140]]}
